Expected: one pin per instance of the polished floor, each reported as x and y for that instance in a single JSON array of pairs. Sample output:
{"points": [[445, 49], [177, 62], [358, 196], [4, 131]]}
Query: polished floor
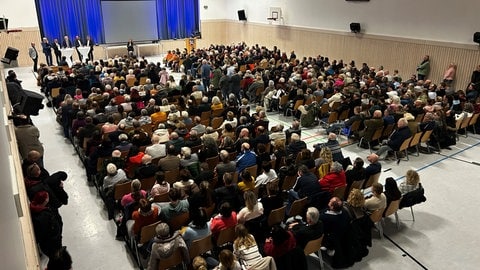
{"points": [[444, 234]]}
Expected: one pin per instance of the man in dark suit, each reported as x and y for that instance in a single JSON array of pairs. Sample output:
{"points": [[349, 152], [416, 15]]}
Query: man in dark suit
{"points": [[56, 49], [78, 43], [229, 193], [66, 43], [89, 43], [47, 50], [313, 229]]}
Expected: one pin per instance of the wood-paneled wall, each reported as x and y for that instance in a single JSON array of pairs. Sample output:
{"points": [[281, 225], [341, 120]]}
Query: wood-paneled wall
{"points": [[391, 52]]}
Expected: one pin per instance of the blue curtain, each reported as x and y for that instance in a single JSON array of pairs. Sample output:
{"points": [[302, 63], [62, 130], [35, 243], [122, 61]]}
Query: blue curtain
{"points": [[177, 18], [58, 18]]}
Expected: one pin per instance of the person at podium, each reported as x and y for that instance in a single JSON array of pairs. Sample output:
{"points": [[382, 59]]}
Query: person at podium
{"points": [[56, 49], [130, 47]]}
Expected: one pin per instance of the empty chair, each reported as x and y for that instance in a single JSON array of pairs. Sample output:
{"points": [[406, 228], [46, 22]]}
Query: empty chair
{"points": [[313, 246], [298, 207], [276, 216]]}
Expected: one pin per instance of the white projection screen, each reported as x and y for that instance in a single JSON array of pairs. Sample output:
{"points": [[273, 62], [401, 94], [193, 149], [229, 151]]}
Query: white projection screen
{"points": [[124, 20]]}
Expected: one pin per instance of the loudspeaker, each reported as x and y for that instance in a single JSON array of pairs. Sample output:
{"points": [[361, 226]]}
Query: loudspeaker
{"points": [[10, 55], [476, 37], [30, 103], [355, 27], [241, 15]]}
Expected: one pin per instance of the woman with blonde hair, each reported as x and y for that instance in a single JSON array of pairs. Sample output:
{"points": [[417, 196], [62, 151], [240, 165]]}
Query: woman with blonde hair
{"points": [[246, 250], [228, 261], [253, 208], [324, 162], [412, 179], [355, 204]]}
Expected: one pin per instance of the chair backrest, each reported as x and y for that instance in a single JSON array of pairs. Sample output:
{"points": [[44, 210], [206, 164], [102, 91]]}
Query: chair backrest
{"points": [[206, 115], [465, 122], [298, 207], [474, 119], [344, 115], [372, 180], [148, 232], [55, 92], [388, 130], [416, 139], [283, 100], [355, 126], [174, 260], [226, 236], [200, 246], [313, 246], [339, 192], [405, 144], [333, 117], [196, 148], [392, 208], [212, 162], [426, 136], [357, 184], [121, 189], [172, 176], [162, 197], [297, 104], [217, 122], [147, 183], [378, 134], [276, 216], [419, 117], [209, 210], [376, 216], [176, 222], [217, 112], [289, 182], [252, 170]]}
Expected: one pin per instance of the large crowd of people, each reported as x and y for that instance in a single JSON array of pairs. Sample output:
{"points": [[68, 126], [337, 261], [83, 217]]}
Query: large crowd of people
{"points": [[131, 120]]}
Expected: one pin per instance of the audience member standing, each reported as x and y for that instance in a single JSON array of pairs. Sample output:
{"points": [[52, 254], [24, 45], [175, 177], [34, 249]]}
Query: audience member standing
{"points": [[89, 43], [78, 43], [424, 68]]}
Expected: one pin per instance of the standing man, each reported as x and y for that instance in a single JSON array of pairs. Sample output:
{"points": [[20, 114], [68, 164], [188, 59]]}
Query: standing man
{"points": [[56, 49], [47, 50], [424, 68], [89, 43], [130, 47], [66, 43], [32, 52], [78, 43], [206, 69]]}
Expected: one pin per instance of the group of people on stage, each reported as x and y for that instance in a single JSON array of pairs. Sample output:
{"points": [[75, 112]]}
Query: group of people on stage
{"points": [[56, 46]]}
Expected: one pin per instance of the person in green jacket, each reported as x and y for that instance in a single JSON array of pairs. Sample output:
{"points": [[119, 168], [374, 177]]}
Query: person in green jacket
{"points": [[424, 68]]}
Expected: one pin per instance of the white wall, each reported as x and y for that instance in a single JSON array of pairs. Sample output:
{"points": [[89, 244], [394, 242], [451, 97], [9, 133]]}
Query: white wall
{"points": [[451, 21], [20, 13]]}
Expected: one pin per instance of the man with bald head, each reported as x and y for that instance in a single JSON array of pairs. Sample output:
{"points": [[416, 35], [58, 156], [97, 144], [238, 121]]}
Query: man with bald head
{"points": [[374, 167], [371, 125], [246, 158], [396, 139]]}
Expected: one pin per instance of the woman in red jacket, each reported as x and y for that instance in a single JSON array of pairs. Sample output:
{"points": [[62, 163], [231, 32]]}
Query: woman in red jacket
{"points": [[335, 178]]}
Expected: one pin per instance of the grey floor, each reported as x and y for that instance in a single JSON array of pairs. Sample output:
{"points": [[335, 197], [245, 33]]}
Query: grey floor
{"points": [[443, 235]]}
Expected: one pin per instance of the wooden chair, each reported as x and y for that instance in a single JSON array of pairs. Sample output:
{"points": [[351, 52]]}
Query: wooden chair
{"points": [[473, 122], [178, 221], [283, 101], [217, 113], [131, 82], [121, 189], [146, 234], [298, 207], [172, 176], [375, 137], [332, 118], [147, 183], [252, 170], [225, 236], [323, 170], [403, 148], [276, 216], [200, 246], [172, 261], [55, 92], [416, 141], [392, 210], [163, 197], [419, 117], [464, 125], [196, 149], [313, 246], [355, 184], [209, 210], [143, 80], [344, 115], [339, 192], [206, 116], [372, 180], [388, 130], [216, 122], [212, 162], [289, 182], [376, 218]]}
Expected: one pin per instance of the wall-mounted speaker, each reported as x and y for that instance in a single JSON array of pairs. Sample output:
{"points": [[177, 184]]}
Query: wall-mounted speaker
{"points": [[241, 15], [355, 27], [30, 103], [476, 37]]}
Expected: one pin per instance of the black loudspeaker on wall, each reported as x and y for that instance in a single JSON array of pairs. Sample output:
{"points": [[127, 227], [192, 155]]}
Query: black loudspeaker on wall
{"points": [[30, 103], [476, 37], [355, 27], [241, 15]]}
